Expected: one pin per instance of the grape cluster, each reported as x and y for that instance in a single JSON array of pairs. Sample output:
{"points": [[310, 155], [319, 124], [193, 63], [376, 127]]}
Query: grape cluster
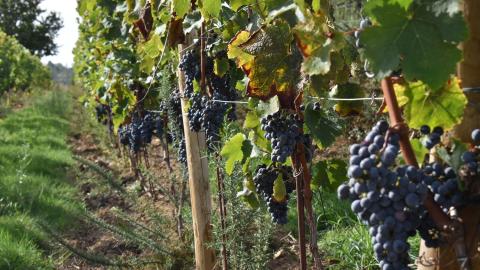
{"points": [[264, 181], [174, 109], [470, 168], [204, 113], [140, 131], [190, 65], [284, 131], [443, 183], [386, 197], [433, 138]]}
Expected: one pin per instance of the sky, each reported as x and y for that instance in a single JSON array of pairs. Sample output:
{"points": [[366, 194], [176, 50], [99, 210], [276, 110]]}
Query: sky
{"points": [[68, 35]]}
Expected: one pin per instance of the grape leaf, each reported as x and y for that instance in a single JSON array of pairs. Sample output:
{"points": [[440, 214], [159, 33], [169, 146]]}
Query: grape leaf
{"points": [[275, 67], [443, 107], [329, 174], [210, 8], [251, 120], [237, 149], [323, 130], [149, 51], [236, 4], [220, 66], [234, 52], [408, 31], [348, 90], [316, 41], [279, 189], [180, 7]]}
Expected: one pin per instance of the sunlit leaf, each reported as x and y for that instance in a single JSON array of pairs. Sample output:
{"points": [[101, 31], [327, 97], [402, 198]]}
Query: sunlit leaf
{"points": [[237, 149], [443, 107]]}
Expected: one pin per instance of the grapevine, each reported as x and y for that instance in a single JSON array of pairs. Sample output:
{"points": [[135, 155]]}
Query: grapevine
{"points": [[275, 59]]}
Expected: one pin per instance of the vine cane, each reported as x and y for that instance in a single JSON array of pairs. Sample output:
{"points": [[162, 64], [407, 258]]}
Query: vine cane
{"points": [[451, 226]]}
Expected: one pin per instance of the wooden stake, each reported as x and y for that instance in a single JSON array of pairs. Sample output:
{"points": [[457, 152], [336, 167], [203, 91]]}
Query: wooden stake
{"points": [[199, 187]]}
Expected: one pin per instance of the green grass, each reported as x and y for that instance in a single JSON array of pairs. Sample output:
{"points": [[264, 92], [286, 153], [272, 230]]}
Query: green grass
{"points": [[34, 187], [343, 240]]}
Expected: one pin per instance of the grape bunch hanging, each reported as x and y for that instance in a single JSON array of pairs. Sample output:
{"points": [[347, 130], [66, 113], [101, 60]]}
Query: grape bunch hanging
{"points": [[385, 196], [174, 110], [443, 181], [139, 132], [204, 112], [284, 131], [265, 180]]}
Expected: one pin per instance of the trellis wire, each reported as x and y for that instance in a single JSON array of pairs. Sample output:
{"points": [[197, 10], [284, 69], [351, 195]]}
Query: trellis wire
{"points": [[323, 98]]}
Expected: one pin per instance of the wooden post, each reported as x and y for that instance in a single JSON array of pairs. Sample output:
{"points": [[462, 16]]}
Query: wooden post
{"points": [[469, 73], [199, 187]]}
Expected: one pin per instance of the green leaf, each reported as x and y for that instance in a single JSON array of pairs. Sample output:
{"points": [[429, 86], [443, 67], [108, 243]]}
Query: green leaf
{"points": [[443, 107], [236, 4], [323, 130], [419, 150], [220, 66], [329, 174], [210, 8], [237, 149], [279, 189], [180, 7], [425, 42], [149, 51], [251, 120], [249, 184]]}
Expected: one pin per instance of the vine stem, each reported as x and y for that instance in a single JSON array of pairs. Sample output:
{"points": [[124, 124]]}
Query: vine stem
{"points": [[303, 179], [301, 217]]}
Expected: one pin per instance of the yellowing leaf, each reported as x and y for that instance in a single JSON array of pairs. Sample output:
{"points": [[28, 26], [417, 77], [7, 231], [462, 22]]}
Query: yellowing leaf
{"points": [[279, 189], [234, 52], [443, 107], [275, 67]]}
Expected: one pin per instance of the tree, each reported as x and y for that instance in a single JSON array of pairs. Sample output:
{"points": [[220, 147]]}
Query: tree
{"points": [[28, 23]]}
